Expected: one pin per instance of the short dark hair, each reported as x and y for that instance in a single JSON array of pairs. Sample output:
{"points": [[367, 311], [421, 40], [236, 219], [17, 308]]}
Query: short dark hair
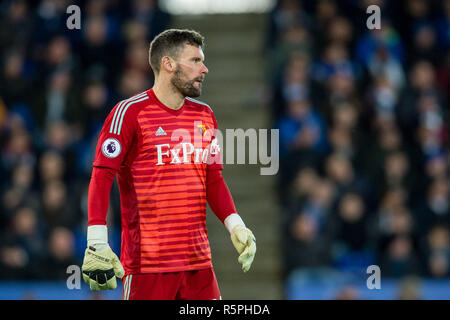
{"points": [[169, 43]]}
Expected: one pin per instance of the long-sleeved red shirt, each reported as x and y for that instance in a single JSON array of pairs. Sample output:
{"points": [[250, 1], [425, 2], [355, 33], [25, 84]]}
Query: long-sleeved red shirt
{"points": [[168, 166]]}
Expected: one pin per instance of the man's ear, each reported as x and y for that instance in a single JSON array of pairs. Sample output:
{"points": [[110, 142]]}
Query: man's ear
{"points": [[168, 64]]}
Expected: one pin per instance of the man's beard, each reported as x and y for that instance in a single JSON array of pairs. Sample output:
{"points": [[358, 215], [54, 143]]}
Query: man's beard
{"points": [[186, 88]]}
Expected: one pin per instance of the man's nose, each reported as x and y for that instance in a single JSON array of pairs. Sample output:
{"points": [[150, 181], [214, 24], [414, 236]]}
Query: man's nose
{"points": [[205, 69]]}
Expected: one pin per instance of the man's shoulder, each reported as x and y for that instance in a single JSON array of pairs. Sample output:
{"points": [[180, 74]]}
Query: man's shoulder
{"points": [[135, 100], [131, 105], [200, 105], [126, 110]]}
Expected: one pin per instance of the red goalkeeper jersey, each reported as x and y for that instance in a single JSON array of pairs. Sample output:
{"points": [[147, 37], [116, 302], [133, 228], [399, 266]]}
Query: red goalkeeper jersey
{"points": [[162, 157]]}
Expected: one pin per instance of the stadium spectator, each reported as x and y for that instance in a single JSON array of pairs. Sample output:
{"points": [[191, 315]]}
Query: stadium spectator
{"points": [[302, 128], [61, 254]]}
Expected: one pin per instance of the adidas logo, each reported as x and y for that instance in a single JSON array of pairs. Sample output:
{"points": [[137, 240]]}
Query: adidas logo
{"points": [[160, 132]]}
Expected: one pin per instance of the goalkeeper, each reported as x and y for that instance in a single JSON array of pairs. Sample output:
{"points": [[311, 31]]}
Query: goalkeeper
{"points": [[162, 145]]}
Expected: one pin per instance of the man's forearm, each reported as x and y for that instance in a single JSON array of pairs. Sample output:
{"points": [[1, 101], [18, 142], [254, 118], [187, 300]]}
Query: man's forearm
{"points": [[99, 190], [218, 195], [222, 204], [101, 266]]}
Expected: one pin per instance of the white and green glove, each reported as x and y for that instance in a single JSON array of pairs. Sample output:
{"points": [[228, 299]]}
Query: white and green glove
{"points": [[243, 240], [101, 265]]}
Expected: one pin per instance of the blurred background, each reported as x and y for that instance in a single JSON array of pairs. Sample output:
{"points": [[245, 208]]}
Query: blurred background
{"points": [[363, 116]]}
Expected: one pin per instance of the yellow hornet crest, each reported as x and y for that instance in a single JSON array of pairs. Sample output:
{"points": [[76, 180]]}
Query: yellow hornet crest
{"points": [[202, 129]]}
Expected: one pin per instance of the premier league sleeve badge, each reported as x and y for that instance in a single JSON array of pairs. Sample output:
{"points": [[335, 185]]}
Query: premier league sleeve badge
{"points": [[111, 148]]}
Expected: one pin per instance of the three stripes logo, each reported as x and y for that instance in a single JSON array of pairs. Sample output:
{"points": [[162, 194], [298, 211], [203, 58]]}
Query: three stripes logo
{"points": [[160, 132], [127, 286], [116, 123]]}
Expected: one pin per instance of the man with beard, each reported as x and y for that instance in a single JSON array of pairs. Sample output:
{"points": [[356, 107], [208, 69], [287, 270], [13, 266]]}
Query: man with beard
{"points": [[169, 166]]}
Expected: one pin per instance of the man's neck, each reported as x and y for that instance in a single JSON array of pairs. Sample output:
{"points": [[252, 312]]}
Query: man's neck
{"points": [[168, 95]]}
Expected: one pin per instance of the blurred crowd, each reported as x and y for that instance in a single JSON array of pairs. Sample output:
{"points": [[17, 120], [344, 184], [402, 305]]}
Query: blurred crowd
{"points": [[56, 87], [364, 121]]}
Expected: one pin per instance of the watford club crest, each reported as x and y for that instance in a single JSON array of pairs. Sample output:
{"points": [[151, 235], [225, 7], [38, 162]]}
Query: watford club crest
{"points": [[202, 129]]}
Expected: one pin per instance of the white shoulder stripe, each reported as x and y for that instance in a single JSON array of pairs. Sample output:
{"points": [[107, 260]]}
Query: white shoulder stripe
{"points": [[119, 109], [199, 102], [115, 115], [122, 112], [125, 110]]}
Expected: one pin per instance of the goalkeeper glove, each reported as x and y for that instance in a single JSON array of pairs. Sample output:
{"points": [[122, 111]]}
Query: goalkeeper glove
{"points": [[245, 243], [101, 265]]}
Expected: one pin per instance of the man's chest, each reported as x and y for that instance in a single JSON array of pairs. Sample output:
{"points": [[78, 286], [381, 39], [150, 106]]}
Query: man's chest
{"points": [[174, 140]]}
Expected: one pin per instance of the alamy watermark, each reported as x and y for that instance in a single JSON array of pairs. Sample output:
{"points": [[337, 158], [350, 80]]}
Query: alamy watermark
{"points": [[74, 20], [74, 279], [374, 20], [263, 144], [374, 280], [250, 146]]}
